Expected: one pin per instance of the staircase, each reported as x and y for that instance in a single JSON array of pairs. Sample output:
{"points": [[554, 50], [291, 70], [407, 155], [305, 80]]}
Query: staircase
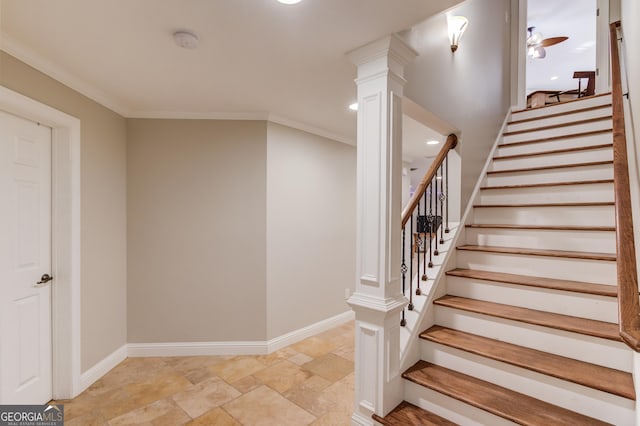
{"points": [[527, 332]]}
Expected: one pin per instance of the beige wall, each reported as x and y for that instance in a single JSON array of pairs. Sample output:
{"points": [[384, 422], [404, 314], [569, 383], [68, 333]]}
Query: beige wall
{"points": [[103, 205], [196, 230], [311, 208], [469, 88]]}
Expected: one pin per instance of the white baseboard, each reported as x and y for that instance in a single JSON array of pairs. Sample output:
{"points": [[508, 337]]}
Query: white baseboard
{"points": [[236, 347], [90, 376], [196, 348], [308, 331], [358, 419]]}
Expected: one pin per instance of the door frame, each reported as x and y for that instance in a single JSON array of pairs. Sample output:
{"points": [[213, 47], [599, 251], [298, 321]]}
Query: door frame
{"points": [[65, 228], [518, 65], [603, 53], [519, 53]]}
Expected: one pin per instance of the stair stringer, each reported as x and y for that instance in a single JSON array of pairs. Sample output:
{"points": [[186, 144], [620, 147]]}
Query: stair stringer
{"points": [[423, 315]]}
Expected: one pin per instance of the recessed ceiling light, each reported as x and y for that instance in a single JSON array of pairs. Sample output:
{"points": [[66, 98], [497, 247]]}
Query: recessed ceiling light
{"points": [[186, 39], [433, 142], [289, 1], [353, 106], [555, 77]]}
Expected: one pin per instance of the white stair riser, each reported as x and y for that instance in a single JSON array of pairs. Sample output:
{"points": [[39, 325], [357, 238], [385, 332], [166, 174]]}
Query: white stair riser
{"points": [[593, 271], [570, 174], [564, 143], [572, 345], [587, 401], [450, 408], [564, 107], [559, 131], [549, 194], [600, 308], [574, 157], [579, 215], [567, 118], [590, 241]]}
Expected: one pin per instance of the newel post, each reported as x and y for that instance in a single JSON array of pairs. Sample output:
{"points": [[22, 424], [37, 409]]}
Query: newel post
{"points": [[378, 300]]}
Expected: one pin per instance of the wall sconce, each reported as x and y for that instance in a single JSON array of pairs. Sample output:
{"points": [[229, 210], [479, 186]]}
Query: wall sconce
{"points": [[457, 25]]}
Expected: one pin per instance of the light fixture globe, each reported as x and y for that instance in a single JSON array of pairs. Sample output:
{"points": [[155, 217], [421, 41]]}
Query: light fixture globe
{"points": [[457, 26]]}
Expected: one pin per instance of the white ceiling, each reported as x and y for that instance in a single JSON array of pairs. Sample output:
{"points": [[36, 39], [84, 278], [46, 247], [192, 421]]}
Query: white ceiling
{"points": [[573, 18], [414, 140], [256, 58]]}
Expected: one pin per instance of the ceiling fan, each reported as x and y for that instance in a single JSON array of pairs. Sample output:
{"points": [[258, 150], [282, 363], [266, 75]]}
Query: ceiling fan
{"points": [[536, 44]]}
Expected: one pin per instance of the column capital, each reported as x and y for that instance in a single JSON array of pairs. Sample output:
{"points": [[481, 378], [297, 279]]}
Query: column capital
{"points": [[389, 52]]}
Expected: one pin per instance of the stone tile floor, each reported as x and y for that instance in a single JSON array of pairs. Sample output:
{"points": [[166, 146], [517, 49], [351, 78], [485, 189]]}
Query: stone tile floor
{"points": [[308, 383]]}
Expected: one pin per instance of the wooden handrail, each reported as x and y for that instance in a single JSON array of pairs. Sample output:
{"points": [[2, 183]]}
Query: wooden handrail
{"points": [[628, 306], [449, 144]]}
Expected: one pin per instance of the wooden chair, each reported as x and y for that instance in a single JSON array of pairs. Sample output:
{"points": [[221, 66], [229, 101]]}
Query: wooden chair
{"points": [[590, 90]]}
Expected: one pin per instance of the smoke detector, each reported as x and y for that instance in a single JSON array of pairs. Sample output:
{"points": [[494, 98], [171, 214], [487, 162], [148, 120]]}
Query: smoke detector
{"points": [[186, 39]]}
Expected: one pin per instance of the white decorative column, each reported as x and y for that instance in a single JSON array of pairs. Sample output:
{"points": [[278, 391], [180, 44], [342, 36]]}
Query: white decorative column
{"points": [[378, 300]]}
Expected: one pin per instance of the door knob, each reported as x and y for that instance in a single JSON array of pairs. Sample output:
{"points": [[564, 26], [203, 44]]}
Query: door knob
{"points": [[45, 278]]}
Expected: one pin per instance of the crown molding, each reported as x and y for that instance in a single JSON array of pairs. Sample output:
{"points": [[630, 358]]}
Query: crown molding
{"points": [[187, 115], [264, 116], [278, 119], [34, 60]]}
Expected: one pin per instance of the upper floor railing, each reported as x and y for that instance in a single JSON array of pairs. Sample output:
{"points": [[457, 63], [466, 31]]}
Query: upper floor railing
{"points": [[426, 214], [628, 304]]}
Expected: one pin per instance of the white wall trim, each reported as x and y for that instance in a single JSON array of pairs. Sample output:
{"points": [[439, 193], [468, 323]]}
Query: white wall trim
{"points": [[187, 115], [257, 115], [90, 376], [278, 119], [359, 420], [196, 348], [308, 331], [66, 253], [33, 59], [259, 347]]}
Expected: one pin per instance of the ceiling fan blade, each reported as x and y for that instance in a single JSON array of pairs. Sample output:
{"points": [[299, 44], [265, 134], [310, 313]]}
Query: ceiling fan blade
{"points": [[552, 40]]}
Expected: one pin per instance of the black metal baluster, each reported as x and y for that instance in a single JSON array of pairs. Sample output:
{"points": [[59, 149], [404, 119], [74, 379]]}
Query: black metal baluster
{"points": [[446, 191], [430, 222], [419, 245], [411, 269], [441, 198], [424, 241], [435, 218], [403, 269]]}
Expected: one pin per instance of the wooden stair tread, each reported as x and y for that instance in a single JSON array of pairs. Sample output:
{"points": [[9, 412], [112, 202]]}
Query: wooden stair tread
{"points": [[407, 414], [541, 227], [611, 257], [593, 376], [553, 152], [561, 103], [559, 125], [556, 138], [539, 282], [559, 166], [519, 205], [508, 404], [589, 327], [560, 114], [548, 184]]}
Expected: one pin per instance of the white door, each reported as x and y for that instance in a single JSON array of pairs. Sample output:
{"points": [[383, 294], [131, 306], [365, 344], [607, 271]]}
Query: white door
{"points": [[25, 256]]}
